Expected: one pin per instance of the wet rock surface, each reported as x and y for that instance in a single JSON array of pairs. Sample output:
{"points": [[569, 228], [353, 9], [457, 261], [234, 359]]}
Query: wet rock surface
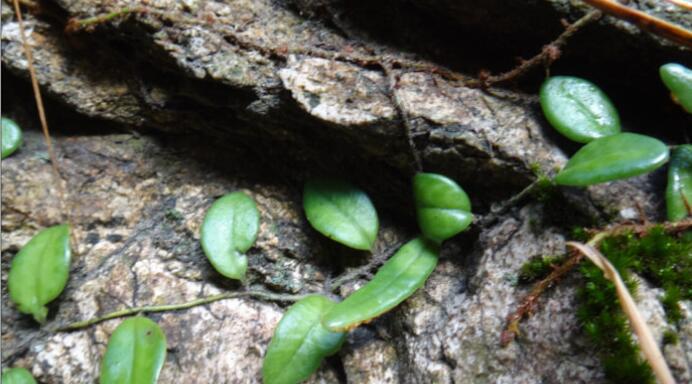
{"points": [[203, 98]]}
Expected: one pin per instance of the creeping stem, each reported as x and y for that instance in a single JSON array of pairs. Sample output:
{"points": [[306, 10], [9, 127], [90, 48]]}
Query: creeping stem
{"points": [[269, 296]]}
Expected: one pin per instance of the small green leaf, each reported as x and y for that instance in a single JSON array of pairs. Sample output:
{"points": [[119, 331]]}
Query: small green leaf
{"points": [[395, 281], [11, 136], [229, 229], [39, 271], [17, 376], [678, 79], [612, 158], [135, 353], [300, 342], [341, 212], [443, 208], [679, 191], [578, 109]]}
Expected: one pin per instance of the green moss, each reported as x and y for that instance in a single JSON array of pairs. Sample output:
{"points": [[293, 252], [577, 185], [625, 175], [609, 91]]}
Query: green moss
{"points": [[664, 260], [670, 337], [537, 268]]}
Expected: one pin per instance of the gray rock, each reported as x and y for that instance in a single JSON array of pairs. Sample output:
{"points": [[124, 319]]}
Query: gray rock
{"points": [[254, 96]]}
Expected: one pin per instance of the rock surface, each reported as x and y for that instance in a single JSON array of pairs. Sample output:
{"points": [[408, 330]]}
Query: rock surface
{"points": [[257, 96]]}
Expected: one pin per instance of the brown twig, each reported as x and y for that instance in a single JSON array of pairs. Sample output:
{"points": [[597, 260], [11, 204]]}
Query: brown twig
{"points": [[644, 21], [39, 105], [529, 302], [547, 56]]}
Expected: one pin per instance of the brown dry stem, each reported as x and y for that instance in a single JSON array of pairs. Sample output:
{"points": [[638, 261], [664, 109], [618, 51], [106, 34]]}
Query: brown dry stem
{"points": [[644, 21]]}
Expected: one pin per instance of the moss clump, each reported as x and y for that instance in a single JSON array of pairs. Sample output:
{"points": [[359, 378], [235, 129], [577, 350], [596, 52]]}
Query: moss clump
{"points": [[663, 259], [670, 337], [537, 268]]}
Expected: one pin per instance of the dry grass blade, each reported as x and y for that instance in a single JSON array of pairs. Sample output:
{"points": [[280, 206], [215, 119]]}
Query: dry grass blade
{"points": [[644, 21], [682, 3], [646, 340], [39, 103]]}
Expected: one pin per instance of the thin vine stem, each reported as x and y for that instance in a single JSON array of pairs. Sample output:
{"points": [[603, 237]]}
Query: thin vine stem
{"points": [[265, 295]]}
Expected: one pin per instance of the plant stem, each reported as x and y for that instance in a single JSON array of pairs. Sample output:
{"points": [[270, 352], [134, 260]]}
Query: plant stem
{"points": [[74, 25], [494, 214], [548, 54], [377, 260], [269, 296]]}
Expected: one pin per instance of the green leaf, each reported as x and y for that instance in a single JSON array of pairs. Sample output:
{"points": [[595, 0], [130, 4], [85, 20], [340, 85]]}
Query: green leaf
{"points": [[229, 229], [396, 280], [39, 271], [341, 212], [11, 136], [578, 109], [679, 191], [135, 353], [678, 79], [17, 376], [443, 208], [300, 342], [612, 158]]}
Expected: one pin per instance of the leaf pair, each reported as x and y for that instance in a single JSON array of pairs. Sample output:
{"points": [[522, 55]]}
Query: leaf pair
{"points": [[582, 112], [11, 136], [300, 342], [135, 353], [229, 229], [39, 271]]}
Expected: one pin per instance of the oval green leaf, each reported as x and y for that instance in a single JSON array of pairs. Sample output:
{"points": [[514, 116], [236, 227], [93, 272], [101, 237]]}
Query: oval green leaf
{"points": [[11, 136], [341, 212], [678, 79], [300, 342], [39, 271], [679, 190], [229, 229], [135, 353], [612, 158], [394, 282], [17, 376], [578, 109], [442, 206]]}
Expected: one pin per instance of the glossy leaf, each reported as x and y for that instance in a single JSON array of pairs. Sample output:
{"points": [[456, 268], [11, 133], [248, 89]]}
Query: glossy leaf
{"points": [[443, 208], [614, 157], [578, 109], [678, 79], [229, 229], [300, 342], [39, 271], [135, 353], [11, 136], [679, 191], [395, 281], [17, 376], [341, 212]]}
